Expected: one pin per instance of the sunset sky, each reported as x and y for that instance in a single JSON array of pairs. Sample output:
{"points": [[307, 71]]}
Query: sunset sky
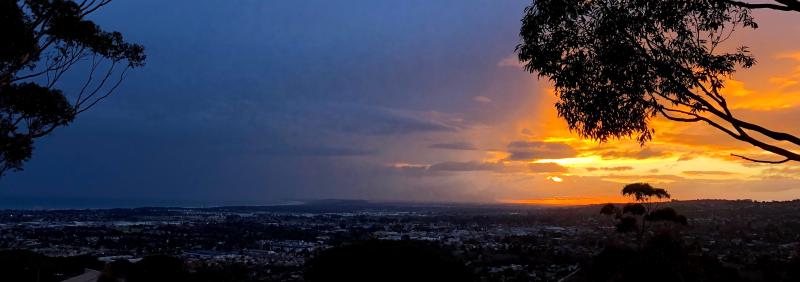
{"points": [[269, 101]]}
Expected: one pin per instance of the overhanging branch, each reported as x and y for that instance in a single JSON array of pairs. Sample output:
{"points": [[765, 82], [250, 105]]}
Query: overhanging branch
{"points": [[762, 161], [783, 5]]}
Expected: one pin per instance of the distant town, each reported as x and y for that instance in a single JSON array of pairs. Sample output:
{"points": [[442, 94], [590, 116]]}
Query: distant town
{"points": [[496, 242]]}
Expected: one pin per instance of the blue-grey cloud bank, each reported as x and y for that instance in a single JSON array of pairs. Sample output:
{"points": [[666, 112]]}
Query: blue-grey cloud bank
{"points": [[268, 101]]}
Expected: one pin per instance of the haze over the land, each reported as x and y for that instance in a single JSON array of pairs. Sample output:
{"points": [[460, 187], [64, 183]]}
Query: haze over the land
{"points": [[264, 101]]}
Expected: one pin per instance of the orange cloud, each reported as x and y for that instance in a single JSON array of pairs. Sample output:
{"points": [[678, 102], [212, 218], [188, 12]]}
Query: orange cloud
{"points": [[780, 90], [708, 172], [615, 168], [546, 167]]}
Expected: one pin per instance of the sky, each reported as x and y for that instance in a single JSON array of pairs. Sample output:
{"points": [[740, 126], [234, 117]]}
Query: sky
{"points": [[261, 102]]}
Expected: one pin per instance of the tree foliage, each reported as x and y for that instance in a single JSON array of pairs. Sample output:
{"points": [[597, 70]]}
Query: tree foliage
{"points": [[608, 209], [633, 216], [644, 192], [627, 224], [617, 64], [666, 214], [663, 258], [43, 40], [634, 209]]}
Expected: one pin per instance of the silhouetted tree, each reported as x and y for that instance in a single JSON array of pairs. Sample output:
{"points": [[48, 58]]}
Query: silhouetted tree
{"points": [[616, 64], [662, 258], [663, 214], [42, 40], [114, 271], [646, 195], [609, 209], [26, 265], [155, 268], [634, 216], [627, 224], [634, 209], [644, 192], [158, 268], [780, 5]]}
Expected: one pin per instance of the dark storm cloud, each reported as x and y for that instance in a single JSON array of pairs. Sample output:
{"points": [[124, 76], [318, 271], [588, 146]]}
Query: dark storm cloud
{"points": [[454, 146], [313, 151], [306, 118], [358, 119], [499, 167], [266, 100], [535, 150], [467, 166]]}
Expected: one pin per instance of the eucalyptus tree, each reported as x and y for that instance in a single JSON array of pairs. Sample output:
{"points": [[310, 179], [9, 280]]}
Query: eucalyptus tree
{"points": [[617, 64], [634, 215], [42, 41]]}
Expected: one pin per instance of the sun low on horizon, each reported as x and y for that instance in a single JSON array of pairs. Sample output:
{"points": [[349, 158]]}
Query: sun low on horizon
{"points": [[531, 157], [415, 140]]}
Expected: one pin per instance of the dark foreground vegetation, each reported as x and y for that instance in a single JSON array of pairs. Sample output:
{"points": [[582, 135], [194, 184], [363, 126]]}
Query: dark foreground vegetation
{"points": [[663, 258]]}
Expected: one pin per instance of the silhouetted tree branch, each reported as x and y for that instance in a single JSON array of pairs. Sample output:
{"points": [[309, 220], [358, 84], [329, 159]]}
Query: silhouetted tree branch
{"points": [[783, 5], [43, 40], [616, 65], [634, 216]]}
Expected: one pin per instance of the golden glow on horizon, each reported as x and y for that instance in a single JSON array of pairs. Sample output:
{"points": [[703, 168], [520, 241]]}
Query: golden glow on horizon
{"points": [[691, 160], [681, 153], [567, 201], [571, 161]]}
